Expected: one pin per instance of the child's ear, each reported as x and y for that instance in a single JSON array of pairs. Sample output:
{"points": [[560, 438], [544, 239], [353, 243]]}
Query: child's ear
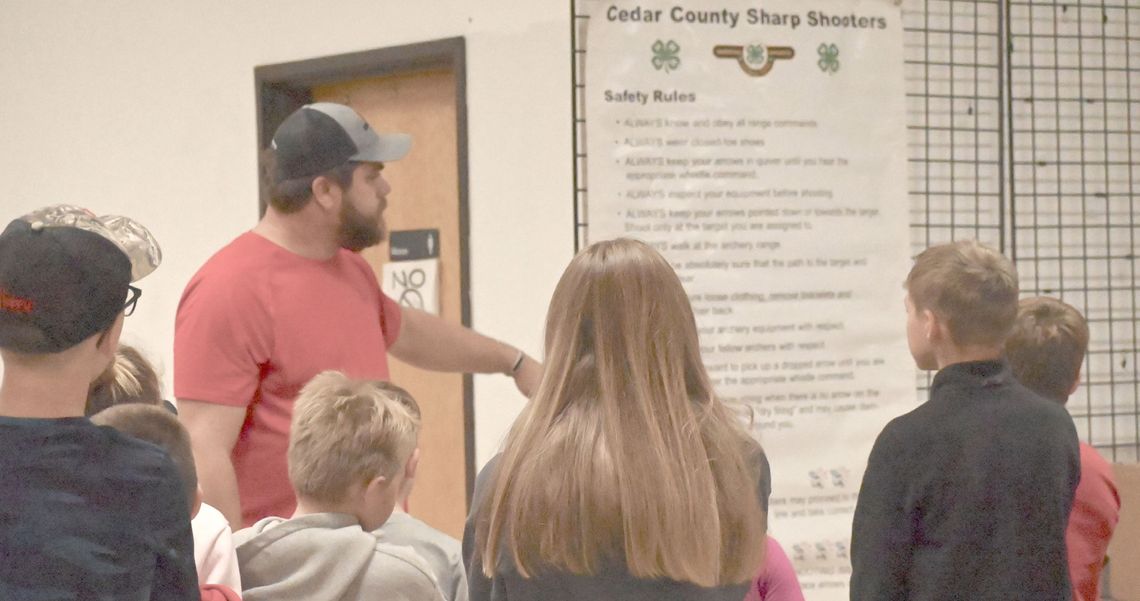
{"points": [[934, 326], [375, 485], [413, 464], [108, 341], [197, 502]]}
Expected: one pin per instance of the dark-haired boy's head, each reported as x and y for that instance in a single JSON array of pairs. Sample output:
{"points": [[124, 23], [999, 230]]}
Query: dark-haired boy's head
{"points": [[161, 428], [1047, 346]]}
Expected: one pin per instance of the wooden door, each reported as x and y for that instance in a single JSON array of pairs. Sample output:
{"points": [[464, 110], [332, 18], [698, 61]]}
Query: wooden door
{"points": [[425, 195]]}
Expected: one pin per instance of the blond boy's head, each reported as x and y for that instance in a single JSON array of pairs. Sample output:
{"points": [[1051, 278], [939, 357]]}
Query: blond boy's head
{"points": [[1047, 346], [161, 428], [349, 436], [409, 403], [970, 290]]}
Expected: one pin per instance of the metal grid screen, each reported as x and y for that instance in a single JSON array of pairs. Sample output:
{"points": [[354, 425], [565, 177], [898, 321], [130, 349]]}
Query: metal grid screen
{"points": [[1074, 102], [1022, 133]]}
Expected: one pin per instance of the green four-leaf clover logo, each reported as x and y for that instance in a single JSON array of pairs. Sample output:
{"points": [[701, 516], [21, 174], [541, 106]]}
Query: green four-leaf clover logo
{"points": [[828, 58], [665, 55]]}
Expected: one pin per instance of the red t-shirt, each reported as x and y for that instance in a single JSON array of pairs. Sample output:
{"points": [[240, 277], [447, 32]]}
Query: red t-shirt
{"points": [[1096, 510], [254, 325]]}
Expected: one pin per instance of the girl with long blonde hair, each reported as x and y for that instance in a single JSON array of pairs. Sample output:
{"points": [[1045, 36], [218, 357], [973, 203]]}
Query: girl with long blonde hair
{"points": [[624, 477]]}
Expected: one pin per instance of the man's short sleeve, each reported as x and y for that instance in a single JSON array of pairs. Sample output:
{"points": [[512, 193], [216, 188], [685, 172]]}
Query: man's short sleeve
{"points": [[223, 336]]}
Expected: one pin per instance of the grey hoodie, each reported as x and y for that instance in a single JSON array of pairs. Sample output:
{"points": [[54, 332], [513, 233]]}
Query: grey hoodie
{"points": [[438, 550], [327, 556]]}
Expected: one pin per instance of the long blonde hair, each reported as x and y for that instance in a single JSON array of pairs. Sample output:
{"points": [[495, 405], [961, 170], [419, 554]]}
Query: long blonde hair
{"points": [[625, 454], [130, 378]]}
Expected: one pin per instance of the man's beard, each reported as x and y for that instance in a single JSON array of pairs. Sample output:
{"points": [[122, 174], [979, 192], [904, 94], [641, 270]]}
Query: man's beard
{"points": [[357, 231]]}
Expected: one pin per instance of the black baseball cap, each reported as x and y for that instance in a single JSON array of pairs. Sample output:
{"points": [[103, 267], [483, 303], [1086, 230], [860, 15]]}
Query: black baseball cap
{"points": [[323, 135], [64, 274]]}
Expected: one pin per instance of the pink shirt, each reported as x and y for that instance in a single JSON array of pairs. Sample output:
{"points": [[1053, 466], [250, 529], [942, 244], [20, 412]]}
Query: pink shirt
{"points": [[1096, 510], [777, 580], [254, 325]]}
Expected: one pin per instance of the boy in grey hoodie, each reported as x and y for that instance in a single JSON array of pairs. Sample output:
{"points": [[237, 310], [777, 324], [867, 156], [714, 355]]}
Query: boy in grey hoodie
{"points": [[350, 448], [443, 553]]}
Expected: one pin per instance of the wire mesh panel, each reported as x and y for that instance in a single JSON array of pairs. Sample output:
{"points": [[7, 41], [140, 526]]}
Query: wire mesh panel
{"points": [[955, 114], [955, 121], [1075, 108], [1023, 121]]}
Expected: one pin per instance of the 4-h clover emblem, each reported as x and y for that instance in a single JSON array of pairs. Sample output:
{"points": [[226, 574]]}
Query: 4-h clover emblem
{"points": [[665, 55], [755, 55], [828, 58], [754, 59]]}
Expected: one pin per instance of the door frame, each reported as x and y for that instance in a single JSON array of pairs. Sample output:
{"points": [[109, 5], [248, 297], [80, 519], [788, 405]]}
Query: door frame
{"points": [[283, 88]]}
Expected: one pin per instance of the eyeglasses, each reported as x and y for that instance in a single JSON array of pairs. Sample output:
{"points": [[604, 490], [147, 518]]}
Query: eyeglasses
{"points": [[133, 295]]}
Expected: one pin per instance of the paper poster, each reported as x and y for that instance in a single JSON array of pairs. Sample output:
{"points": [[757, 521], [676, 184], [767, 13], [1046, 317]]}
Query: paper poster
{"points": [[761, 147], [413, 284]]}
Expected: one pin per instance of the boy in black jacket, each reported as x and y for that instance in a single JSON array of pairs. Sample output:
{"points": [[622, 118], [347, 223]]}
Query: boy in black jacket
{"points": [[967, 496], [85, 512]]}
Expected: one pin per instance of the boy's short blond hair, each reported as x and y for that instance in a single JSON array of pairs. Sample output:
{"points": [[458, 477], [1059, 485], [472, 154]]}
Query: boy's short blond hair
{"points": [[1047, 346], [400, 395], [347, 432], [160, 428], [972, 287]]}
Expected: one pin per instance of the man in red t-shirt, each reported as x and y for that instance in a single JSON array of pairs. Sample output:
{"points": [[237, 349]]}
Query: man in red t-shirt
{"points": [[1045, 353], [292, 298]]}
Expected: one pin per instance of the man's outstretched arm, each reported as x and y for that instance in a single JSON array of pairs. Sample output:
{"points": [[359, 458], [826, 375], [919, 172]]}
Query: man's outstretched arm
{"points": [[429, 342]]}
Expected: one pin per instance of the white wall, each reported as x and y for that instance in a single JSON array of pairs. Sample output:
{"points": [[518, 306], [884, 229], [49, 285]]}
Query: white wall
{"points": [[146, 108]]}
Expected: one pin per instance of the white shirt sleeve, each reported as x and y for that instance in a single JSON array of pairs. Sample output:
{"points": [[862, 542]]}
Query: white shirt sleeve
{"points": [[214, 549]]}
